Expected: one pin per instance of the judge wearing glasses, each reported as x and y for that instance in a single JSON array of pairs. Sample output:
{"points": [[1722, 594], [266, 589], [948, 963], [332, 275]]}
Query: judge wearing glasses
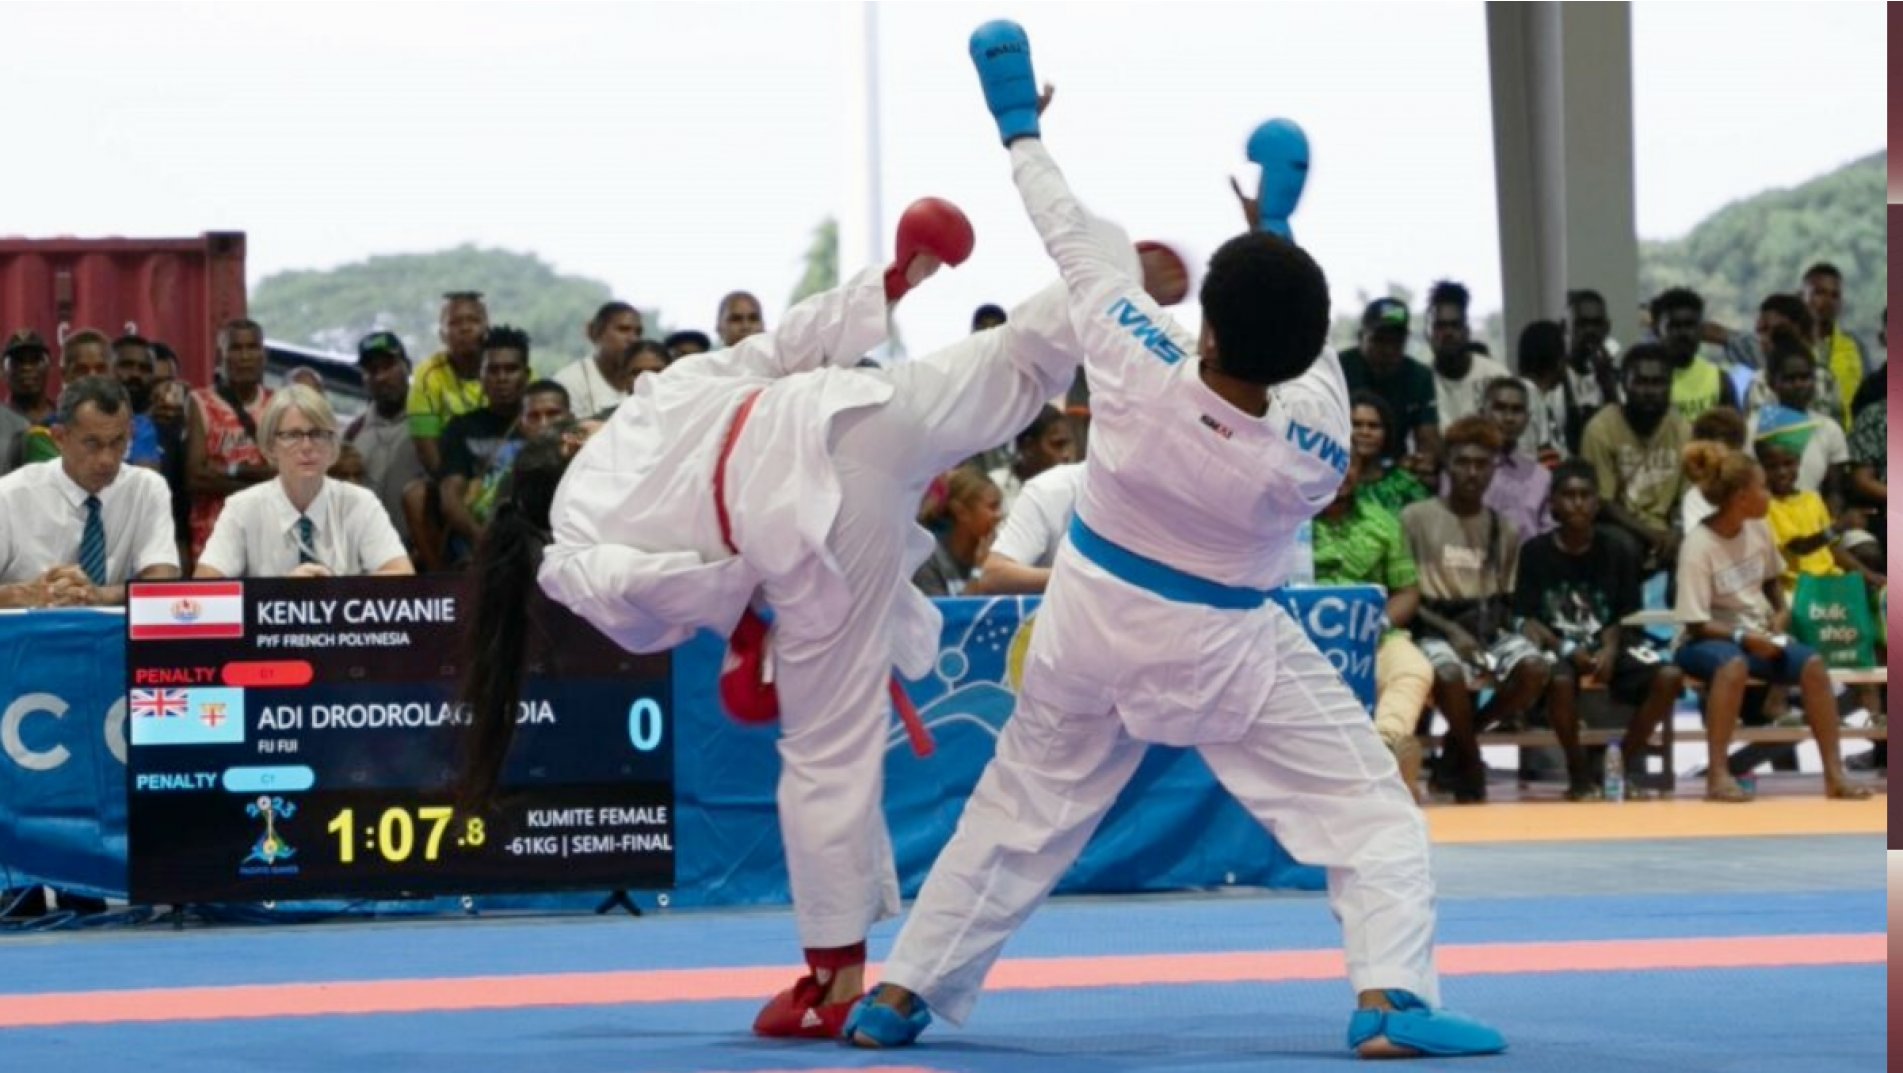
{"points": [[303, 524]]}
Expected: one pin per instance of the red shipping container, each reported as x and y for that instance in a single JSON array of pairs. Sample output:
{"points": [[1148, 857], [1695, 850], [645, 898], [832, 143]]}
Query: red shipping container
{"points": [[177, 290]]}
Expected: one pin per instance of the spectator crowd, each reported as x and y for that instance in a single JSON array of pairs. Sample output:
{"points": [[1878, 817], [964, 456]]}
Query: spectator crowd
{"points": [[1515, 508]]}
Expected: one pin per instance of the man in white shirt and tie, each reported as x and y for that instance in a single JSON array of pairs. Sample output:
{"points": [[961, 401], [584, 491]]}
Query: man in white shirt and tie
{"points": [[75, 529]]}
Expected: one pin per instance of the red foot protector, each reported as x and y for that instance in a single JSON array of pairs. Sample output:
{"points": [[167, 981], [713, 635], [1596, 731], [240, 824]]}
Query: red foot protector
{"points": [[799, 1012]]}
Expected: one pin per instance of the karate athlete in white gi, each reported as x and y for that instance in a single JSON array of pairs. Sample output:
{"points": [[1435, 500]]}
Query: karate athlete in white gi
{"points": [[775, 471], [1205, 456]]}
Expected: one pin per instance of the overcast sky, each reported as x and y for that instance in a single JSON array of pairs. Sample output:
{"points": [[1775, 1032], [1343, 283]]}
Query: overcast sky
{"points": [[679, 151]]}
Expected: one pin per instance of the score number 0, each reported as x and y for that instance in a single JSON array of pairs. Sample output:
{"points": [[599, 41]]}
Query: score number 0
{"points": [[644, 724]]}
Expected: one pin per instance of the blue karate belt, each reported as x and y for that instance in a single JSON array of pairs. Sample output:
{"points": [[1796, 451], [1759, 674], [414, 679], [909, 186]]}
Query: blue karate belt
{"points": [[1160, 578]]}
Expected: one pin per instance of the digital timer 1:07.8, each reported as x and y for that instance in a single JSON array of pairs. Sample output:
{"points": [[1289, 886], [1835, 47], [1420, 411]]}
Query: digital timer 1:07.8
{"points": [[394, 836]]}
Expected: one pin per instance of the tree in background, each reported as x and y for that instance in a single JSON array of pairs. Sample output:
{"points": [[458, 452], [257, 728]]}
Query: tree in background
{"points": [[822, 262], [329, 310], [1762, 244]]}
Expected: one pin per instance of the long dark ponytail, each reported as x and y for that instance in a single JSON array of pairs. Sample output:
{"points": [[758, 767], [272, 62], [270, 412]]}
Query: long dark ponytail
{"points": [[495, 645]]}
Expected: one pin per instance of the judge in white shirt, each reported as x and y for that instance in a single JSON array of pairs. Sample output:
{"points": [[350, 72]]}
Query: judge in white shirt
{"points": [[603, 379], [303, 524], [74, 530]]}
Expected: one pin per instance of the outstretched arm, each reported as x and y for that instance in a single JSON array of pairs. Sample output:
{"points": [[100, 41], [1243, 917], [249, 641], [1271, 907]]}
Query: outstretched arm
{"points": [[836, 327], [1118, 325]]}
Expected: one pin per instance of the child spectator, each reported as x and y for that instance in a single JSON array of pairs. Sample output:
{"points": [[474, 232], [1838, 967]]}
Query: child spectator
{"points": [[1575, 586], [1800, 523], [1734, 614]]}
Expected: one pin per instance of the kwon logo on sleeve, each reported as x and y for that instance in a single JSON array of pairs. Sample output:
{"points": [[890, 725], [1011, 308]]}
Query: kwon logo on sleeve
{"points": [[194, 612]]}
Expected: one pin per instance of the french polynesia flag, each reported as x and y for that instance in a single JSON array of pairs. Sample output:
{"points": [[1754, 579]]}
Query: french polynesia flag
{"points": [[190, 612]]}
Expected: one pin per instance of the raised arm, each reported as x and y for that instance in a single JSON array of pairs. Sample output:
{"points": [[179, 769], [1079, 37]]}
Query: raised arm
{"points": [[835, 327], [1117, 322], [840, 326]]}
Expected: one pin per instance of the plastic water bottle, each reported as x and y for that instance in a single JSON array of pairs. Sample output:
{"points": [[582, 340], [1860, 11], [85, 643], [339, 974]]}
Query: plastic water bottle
{"points": [[1302, 570], [1615, 773]]}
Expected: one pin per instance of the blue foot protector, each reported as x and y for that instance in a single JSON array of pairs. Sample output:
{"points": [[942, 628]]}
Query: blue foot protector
{"points": [[873, 1025], [1432, 1032], [1002, 53]]}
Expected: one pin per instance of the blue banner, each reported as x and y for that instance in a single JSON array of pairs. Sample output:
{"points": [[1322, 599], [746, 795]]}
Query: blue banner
{"points": [[62, 778], [63, 736]]}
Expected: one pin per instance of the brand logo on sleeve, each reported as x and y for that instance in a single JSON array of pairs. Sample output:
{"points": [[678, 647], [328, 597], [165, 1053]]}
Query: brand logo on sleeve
{"points": [[1148, 334], [1319, 444]]}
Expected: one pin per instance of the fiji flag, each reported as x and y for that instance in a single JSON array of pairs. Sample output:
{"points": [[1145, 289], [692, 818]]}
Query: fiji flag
{"points": [[189, 717]]}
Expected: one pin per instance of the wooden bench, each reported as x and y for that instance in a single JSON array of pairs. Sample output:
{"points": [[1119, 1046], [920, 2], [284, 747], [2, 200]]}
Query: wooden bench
{"points": [[1669, 736]]}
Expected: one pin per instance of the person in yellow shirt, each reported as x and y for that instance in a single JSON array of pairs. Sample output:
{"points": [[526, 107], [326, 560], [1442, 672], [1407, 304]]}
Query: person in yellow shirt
{"points": [[1678, 317], [449, 384], [1800, 523], [1837, 350]]}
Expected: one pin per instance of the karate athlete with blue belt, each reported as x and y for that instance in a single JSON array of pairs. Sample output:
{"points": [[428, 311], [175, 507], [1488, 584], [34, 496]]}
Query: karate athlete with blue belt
{"points": [[1206, 454]]}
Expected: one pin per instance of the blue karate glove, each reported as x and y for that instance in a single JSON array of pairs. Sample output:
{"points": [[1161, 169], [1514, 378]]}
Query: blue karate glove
{"points": [[1281, 148], [1002, 54]]}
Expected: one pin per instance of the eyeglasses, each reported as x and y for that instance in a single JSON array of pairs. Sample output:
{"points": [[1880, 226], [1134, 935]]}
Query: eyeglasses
{"points": [[322, 437]]}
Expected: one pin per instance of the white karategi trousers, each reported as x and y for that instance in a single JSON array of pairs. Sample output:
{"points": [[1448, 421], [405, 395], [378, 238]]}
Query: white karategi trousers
{"points": [[1306, 763]]}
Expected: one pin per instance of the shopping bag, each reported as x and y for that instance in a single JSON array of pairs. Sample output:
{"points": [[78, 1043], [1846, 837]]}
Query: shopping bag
{"points": [[1832, 615]]}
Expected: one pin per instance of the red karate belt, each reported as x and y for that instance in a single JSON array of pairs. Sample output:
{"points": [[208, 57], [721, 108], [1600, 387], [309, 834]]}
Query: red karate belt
{"points": [[915, 731]]}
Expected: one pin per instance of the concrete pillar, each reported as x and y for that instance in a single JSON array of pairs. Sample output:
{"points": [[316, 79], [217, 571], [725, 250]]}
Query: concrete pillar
{"points": [[1562, 148]]}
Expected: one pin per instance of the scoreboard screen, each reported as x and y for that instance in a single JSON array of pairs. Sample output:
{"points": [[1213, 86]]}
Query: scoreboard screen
{"points": [[300, 738]]}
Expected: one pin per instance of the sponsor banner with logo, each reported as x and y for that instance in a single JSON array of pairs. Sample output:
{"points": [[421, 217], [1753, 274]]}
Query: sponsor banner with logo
{"points": [[62, 750]]}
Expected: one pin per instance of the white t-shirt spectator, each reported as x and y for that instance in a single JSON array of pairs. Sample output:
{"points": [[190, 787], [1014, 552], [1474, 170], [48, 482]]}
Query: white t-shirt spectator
{"points": [[1721, 579], [589, 392], [1035, 526], [1827, 447], [43, 516], [1456, 399], [256, 536]]}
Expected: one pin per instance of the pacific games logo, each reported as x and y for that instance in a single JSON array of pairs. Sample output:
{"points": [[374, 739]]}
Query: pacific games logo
{"points": [[270, 849]]}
